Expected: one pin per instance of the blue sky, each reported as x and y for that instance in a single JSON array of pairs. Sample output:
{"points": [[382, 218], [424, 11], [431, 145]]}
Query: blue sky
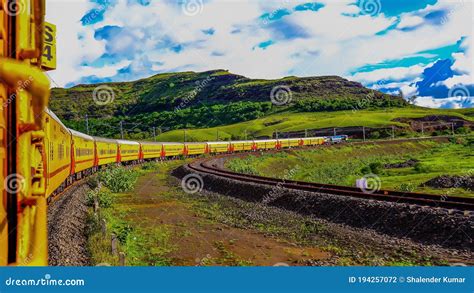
{"points": [[418, 47]]}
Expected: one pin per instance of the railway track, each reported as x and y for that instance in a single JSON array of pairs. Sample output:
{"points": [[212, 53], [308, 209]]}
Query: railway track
{"points": [[210, 166]]}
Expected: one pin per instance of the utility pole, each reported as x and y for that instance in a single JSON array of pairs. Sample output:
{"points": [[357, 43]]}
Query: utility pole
{"points": [[217, 135], [363, 131], [306, 133], [276, 134], [87, 124], [452, 128], [422, 129], [334, 131], [154, 133], [121, 128], [184, 135]]}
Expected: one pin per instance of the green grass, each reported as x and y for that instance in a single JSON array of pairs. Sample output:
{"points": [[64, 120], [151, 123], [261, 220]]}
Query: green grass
{"points": [[284, 122], [142, 246], [345, 164], [228, 257]]}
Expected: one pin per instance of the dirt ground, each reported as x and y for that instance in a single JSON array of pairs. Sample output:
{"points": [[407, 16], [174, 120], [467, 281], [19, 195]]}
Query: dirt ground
{"points": [[200, 241]]}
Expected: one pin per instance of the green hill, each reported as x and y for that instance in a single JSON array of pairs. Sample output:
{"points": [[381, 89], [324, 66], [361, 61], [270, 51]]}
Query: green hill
{"points": [[216, 98], [377, 119]]}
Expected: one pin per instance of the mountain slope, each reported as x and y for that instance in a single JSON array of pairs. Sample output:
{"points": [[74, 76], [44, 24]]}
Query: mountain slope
{"points": [[322, 123], [204, 99], [167, 91]]}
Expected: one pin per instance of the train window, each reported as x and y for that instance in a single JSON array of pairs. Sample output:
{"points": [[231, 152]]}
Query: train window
{"points": [[51, 151], [61, 151]]}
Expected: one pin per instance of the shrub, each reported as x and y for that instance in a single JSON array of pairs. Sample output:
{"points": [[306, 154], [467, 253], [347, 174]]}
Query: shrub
{"points": [[245, 166], [149, 166], [407, 187], [375, 134], [118, 179], [374, 167], [121, 229], [93, 182], [103, 195], [463, 130], [469, 141], [420, 168]]}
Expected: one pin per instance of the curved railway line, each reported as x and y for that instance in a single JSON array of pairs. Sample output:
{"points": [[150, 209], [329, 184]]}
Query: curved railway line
{"points": [[209, 166]]}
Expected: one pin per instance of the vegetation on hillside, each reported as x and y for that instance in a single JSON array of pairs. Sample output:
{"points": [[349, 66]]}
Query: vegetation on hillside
{"points": [[297, 121], [319, 104], [140, 126], [201, 100]]}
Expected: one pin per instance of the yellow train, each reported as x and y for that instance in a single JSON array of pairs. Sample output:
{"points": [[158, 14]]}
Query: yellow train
{"points": [[40, 156]]}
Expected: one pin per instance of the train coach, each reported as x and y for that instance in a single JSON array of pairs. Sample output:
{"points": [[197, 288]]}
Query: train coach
{"points": [[242, 146], [312, 141], [83, 154], [151, 150], [106, 151], [267, 144], [128, 151], [218, 147], [195, 148], [58, 142], [290, 142], [172, 149]]}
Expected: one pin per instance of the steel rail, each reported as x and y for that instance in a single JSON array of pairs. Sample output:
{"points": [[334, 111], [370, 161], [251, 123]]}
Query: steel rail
{"points": [[422, 199]]}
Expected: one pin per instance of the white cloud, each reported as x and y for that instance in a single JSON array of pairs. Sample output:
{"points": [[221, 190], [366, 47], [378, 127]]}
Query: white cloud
{"points": [[396, 73], [409, 90], [330, 23], [335, 43], [410, 21], [105, 71], [450, 103], [464, 64]]}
